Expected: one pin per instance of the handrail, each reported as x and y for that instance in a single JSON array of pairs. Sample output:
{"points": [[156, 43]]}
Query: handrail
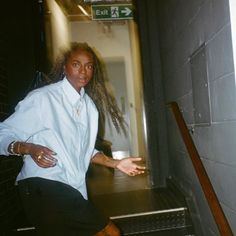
{"points": [[204, 180]]}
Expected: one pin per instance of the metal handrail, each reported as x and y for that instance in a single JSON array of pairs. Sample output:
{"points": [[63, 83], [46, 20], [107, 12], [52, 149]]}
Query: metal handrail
{"points": [[204, 180]]}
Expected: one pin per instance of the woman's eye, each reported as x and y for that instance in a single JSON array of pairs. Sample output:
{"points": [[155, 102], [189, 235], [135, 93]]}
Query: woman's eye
{"points": [[76, 65], [90, 67]]}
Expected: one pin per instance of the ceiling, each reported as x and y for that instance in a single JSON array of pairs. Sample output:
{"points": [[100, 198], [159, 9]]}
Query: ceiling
{"points": [[74, 13]]}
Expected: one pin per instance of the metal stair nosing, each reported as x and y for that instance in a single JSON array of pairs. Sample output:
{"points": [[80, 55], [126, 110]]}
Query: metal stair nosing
{"points": [[153, 221]]}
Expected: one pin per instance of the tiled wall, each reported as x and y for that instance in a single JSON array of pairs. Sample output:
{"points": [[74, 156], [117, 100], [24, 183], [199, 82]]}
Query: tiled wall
{"points": [[9, 167], [10, 208], [185, 26], [3, 82]]}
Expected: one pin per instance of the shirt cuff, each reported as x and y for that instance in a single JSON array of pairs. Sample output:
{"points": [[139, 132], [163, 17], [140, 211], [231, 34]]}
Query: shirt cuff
{"points": [[4, 145], [95, 151]]}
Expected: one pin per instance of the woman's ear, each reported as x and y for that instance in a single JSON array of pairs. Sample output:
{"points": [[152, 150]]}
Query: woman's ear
{"points": [[63, 73]]}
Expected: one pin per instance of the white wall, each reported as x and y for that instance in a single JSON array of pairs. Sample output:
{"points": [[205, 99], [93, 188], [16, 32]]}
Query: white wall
{"points": [[184, 26], [112, 41], [232, 7], [60, 35]]}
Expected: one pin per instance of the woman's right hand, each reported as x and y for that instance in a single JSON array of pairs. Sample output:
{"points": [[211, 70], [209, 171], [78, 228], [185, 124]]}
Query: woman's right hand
{"points": [[42, 156]]}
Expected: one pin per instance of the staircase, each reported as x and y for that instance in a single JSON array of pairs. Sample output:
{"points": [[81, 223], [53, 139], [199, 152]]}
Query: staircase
{"points": [[147, 212]]}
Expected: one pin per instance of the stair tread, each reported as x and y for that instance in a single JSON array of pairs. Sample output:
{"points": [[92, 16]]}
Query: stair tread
{"points": [[147, 211], [138, 201], [154, 222]]}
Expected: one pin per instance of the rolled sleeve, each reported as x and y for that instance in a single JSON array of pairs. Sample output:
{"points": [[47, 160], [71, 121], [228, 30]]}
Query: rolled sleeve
{"points": [[21, 124]]}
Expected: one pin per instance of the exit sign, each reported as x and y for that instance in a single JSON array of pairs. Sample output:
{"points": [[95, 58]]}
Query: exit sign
{"points": [[112, 12]]}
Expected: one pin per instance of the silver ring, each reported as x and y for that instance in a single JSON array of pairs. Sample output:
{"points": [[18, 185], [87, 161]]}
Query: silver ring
{"points": [[39, 157]]}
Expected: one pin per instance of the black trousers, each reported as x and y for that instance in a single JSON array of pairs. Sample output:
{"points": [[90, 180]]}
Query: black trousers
{"points": [[55, 208]]}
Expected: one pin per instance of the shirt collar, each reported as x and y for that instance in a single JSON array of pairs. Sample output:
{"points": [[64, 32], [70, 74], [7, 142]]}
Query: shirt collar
{"points": [[71, 93]]}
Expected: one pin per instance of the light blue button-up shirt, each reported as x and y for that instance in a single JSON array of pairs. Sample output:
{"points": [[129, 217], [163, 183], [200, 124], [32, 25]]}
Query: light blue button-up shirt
{"points": [[58, 117]]}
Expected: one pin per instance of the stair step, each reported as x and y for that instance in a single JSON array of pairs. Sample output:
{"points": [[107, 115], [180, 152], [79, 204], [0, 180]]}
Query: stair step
{"points": [[155, 221], [172, 232]]}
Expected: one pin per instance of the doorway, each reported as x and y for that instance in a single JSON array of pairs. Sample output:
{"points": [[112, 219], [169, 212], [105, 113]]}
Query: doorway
{"points": [[117, 43], [116, 74]]}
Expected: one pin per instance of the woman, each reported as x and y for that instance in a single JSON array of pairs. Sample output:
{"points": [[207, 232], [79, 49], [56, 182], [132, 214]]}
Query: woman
{"points": [[55, 129]]}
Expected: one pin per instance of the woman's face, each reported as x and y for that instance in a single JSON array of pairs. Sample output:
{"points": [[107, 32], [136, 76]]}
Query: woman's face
{"points": [[79, 68]]}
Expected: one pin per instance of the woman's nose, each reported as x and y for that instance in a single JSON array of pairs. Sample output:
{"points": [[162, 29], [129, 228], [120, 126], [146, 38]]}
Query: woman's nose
{"points": [[82, 69]]}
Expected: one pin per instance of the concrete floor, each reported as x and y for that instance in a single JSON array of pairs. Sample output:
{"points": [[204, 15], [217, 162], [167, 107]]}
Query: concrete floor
{"points": [[102, 180]]}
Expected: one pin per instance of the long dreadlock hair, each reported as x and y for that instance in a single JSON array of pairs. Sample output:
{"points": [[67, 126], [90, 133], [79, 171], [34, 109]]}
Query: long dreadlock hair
{"points": [[97, 88]]}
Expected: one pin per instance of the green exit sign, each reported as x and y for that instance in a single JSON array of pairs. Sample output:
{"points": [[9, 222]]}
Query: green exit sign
{"points": [[112, 12]]}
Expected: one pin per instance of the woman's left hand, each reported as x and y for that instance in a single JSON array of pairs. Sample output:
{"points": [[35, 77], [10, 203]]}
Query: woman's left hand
{"points": [[129, 167]]}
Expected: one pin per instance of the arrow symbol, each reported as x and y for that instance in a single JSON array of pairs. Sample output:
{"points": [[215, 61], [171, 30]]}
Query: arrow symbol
{"points": [[126, 11]]}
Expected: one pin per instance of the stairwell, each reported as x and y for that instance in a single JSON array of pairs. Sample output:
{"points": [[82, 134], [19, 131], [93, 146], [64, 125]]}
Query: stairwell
{"points": [[143, 211]]}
